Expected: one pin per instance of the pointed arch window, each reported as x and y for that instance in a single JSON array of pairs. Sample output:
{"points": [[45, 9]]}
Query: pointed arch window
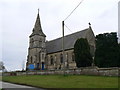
{"points": [[39, 56], [61, 58], [51, 60], [31, 59], [43, 56], [32, 41], [55, 58], [73, 56], [67, 57]]}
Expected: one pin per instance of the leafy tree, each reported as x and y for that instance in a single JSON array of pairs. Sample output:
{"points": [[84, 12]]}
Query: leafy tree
{"points": [[2, 67], [83, 57], [107, 50]]}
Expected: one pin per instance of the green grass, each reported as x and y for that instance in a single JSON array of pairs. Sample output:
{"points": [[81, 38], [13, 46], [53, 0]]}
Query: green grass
{"points": [[0, 78], [60, 81]]}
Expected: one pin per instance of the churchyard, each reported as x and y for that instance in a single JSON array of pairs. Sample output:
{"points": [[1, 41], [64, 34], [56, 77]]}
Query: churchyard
{"points": [[64, 81]]}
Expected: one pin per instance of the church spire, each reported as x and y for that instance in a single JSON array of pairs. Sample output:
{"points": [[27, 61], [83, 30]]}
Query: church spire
{"points": [[37, 27]]}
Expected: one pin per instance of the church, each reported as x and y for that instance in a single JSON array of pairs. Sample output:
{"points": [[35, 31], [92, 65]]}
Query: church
{"points": [[48, 55]]}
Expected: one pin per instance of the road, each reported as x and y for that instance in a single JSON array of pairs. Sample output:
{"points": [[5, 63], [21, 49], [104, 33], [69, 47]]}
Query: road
{"points": [[10, 86]]}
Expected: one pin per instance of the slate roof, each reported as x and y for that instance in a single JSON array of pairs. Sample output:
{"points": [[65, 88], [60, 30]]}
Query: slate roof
{"points": [[56, 44]]}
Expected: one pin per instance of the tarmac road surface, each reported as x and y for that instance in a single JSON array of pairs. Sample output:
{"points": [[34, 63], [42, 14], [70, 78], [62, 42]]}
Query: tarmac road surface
{"points": [[10, 86]]}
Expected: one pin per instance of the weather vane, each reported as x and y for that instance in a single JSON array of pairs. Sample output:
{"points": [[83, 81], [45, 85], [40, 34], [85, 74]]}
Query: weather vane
{"points": [[89, 24]]}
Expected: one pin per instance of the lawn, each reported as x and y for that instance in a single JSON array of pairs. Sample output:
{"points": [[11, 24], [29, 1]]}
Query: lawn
{"points": [[69, 81], [0, 78]]}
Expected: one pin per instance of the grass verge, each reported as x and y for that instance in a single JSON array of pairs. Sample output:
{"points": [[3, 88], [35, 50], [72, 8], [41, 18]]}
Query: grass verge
{"points": [[68, 81]]}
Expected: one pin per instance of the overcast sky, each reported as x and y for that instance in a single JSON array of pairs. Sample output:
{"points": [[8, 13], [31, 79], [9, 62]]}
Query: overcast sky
{"points": [[17, 19]]}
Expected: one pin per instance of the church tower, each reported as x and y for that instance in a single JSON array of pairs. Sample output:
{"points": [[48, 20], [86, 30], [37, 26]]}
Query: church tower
{"points": [[36, 51]]}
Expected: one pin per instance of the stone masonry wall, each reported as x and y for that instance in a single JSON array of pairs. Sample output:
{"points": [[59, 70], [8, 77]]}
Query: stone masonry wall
{"points": [[81, 71]]}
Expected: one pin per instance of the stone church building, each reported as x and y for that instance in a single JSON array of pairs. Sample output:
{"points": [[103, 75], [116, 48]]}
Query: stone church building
{"points": [[44, 54]]}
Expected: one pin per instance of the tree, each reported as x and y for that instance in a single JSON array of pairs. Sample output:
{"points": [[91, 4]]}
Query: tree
{"points": [[83, 57], [107, 50], [2, 67]]}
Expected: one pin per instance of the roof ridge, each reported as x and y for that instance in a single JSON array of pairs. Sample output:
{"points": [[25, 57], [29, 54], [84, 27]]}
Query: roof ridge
{"points": [[68, 35]]}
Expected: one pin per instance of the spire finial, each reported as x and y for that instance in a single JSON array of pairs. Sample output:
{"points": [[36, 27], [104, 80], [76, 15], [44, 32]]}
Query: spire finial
{"points": [[38, 10]]}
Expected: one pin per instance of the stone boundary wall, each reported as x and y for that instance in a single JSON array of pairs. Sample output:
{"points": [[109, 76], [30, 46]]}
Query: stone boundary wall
{"points": [[81, 71]]}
